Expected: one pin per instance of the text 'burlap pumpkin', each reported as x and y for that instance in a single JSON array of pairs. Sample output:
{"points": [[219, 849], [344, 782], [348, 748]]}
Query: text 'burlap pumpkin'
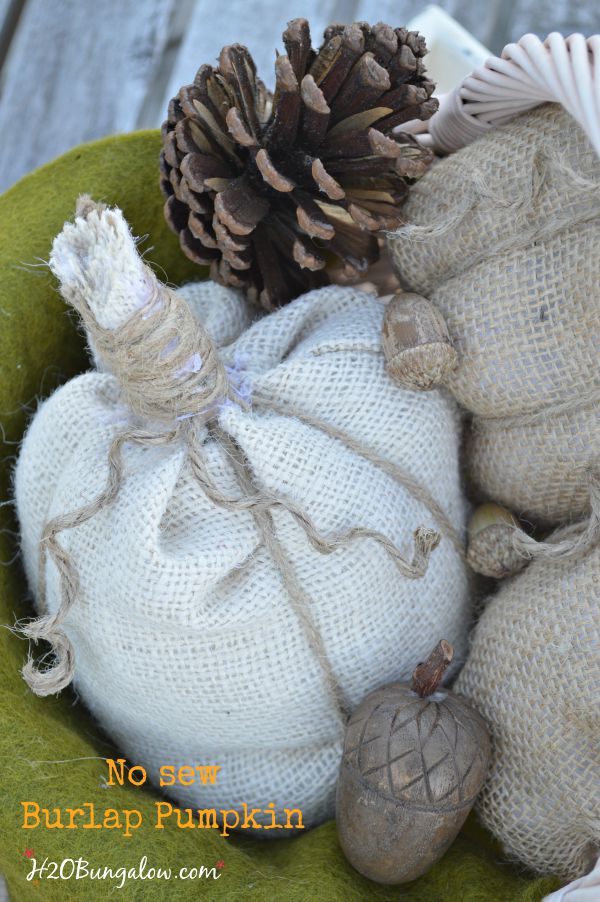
{"points": [[533, 672], [504, 240], [228, 535]]}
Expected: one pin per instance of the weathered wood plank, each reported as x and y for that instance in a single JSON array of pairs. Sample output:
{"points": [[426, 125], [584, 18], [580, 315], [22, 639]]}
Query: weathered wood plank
{"points": [[543, 16], [394, 12], [152, 113], [10, 11], [478, 18], [77, 71], [258, 25], [4, 7], [87, 69]]}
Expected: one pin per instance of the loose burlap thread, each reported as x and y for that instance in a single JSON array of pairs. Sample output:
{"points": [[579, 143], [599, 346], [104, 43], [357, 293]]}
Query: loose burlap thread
{"points": [[158, 343]]}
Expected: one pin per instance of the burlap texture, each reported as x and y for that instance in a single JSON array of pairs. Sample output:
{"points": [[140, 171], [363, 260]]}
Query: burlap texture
{"points": [[534, 672], [51, 748], [504, 238], [187, 647]]}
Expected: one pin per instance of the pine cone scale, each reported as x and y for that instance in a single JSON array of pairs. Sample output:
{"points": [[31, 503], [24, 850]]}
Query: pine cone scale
{"points": [[226, 239], [244, 85], [311, 219], [202, 232], [325, 182], [199, 168], [382, 41], [296, 40], [345, 144], [287, 105], [316, 114], [340, 55], [368, 165], [194, 201], [365, 84], [195, 250], [271, 174], [239, 208]]}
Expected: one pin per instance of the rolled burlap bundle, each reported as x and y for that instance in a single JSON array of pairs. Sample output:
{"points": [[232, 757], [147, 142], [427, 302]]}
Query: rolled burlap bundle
{"points": [[228, 530], [533, 672], [503, 239]]}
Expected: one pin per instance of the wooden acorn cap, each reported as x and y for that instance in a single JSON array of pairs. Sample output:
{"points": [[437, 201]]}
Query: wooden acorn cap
{"points": [[491, 550], [416, 342]]}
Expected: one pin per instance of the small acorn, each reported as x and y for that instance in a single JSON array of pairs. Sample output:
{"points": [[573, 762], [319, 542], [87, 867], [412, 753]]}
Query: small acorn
{"points": [[415, 757], [491, 550], [416, 342]]}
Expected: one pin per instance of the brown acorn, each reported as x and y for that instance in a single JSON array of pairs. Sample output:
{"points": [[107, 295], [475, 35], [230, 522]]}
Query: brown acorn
{"points": [[415, 757], [267, 189], [415, 340]]}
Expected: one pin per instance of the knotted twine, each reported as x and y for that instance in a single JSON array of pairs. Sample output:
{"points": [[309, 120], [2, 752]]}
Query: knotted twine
{"points": [[174, 382], [569, 542]]}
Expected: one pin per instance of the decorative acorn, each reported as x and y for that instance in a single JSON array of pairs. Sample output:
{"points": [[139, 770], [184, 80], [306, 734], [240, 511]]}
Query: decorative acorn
{"points": [[416, 342], [414, 760], [492, 550], [265, 189]]}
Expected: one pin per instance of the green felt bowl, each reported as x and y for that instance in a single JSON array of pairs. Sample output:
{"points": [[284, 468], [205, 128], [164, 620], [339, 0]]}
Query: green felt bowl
{"points": [[51, 751]]}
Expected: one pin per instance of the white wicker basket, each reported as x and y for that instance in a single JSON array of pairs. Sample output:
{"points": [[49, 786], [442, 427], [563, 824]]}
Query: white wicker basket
{"points": [[527, 74]]}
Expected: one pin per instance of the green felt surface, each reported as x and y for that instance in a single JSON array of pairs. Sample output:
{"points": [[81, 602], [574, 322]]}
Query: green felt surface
{"points": [[51, 751]]}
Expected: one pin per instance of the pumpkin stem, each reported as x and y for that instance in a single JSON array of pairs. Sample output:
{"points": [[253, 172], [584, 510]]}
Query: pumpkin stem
{"points": [[427, 676]]}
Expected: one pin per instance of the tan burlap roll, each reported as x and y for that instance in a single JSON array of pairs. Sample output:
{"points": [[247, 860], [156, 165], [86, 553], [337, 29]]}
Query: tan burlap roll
{"points": [[534, 673], [504, 239]]}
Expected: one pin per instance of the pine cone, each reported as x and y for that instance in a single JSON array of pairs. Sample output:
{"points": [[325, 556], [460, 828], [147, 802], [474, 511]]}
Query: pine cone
{"points": [[265, 189]]}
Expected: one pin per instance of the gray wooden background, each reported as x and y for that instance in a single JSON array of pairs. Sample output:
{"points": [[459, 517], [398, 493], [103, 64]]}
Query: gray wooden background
{"points": [[74, 70]]}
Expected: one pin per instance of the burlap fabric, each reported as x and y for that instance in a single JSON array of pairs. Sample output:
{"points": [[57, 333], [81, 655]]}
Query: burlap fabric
{"points": [[533, 672], [504, 238], [230, 560]]}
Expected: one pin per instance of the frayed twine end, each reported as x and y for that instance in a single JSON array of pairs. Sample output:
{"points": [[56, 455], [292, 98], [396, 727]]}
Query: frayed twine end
{"points": [[56, 676]]}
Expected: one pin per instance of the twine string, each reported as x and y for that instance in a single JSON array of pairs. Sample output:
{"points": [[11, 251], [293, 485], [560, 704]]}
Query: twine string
{"points": [[571, 541], [414, 488]]}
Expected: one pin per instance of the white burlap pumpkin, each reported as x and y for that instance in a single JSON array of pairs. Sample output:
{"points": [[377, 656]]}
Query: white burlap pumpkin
{"points": [[240, 575], [504, 240]]}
